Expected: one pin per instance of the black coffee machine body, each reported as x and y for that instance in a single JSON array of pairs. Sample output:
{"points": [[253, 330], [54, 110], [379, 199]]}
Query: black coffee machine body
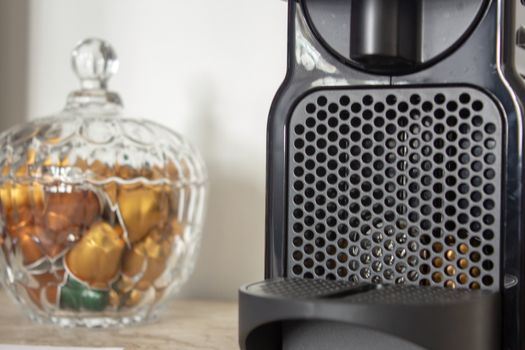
{"points": [[394, 181]]}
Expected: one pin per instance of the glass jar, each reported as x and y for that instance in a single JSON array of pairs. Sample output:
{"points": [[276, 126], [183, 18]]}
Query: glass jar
{"points": [[101, 215]]}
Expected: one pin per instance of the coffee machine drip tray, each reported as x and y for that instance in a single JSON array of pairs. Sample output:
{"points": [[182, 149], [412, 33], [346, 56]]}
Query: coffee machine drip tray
{"points": [[293, 314]]}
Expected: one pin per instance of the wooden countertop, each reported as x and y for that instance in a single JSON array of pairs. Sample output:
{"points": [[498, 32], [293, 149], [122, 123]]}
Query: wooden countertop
{"points": [[185, 324]]}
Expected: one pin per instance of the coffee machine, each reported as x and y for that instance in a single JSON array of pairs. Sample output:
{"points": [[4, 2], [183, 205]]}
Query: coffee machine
{"points": [[394, 215]]}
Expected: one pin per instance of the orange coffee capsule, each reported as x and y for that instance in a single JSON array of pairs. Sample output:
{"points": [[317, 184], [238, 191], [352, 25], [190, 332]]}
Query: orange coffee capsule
{"points": [[31, 249], [64, 210], [47, 287], [35, 242]]}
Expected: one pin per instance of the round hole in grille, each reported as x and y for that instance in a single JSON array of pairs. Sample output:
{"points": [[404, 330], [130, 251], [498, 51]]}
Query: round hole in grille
{"points": [[439, 98], [344, 101], [391, 100]]}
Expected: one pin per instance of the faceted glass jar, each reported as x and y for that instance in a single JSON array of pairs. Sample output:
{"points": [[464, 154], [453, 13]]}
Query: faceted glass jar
{"points": [[101, 216]]}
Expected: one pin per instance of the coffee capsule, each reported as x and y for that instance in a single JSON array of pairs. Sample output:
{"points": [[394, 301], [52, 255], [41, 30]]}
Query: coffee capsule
{"points": [[142, 208], [95, 259]]}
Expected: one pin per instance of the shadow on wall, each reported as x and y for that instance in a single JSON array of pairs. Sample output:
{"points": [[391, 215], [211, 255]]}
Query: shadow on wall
{"points": [[14, 51], [230, 248], [231, 253]]}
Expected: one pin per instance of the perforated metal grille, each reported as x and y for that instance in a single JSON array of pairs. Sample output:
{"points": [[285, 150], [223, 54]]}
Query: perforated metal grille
{"points": [[396, 186]]}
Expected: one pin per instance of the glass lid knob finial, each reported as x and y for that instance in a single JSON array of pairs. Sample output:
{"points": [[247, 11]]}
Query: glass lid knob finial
{"points": [[94, 62]]}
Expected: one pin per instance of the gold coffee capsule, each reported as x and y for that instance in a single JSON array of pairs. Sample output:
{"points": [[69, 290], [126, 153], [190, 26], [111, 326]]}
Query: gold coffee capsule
{"points": [[142, 208], [134, 297], [114, 299], [125, 171], [125, 284], [95, 259], [111, 190], [20, 204], [173, 171], [176, 227], [147, 259], [98, 170]]}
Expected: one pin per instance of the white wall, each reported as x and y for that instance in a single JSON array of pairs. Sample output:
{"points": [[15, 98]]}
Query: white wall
{"points": [[206, 68]]}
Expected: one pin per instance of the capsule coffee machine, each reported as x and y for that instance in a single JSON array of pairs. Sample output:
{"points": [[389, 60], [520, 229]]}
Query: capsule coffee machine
{"points": [[394, 181]]}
